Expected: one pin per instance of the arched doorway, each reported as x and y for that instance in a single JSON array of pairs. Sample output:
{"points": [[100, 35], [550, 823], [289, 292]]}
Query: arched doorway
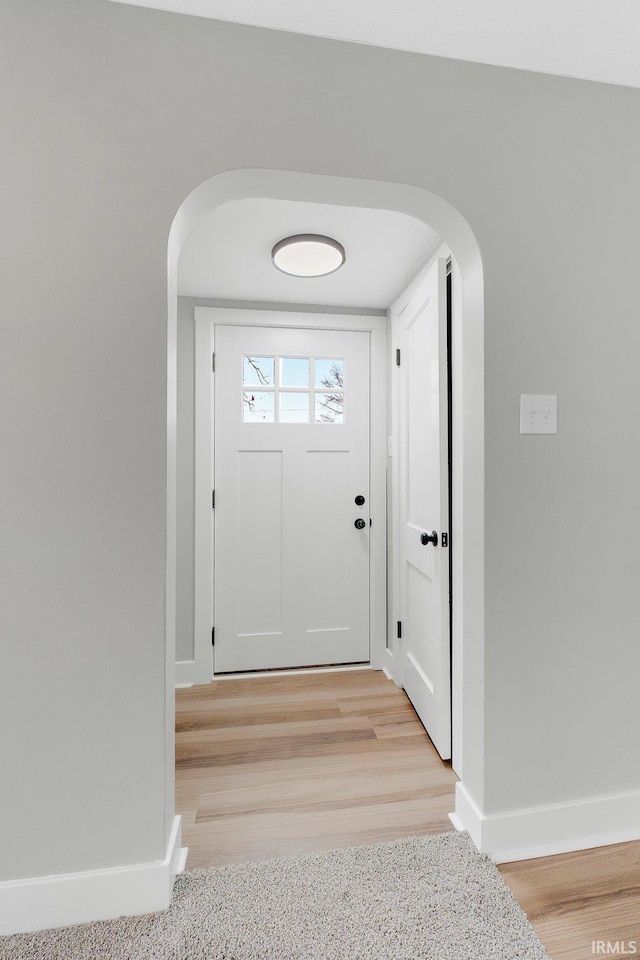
{"points": [[467, 405]]}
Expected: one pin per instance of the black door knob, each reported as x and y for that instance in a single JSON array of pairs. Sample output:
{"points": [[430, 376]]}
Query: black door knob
{"points": [[360, 524], [426, 538], [359, 500]]}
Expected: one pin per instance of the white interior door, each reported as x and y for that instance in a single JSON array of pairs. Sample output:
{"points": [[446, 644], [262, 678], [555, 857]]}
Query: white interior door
{"points": [[291, 457], [424, 505]]}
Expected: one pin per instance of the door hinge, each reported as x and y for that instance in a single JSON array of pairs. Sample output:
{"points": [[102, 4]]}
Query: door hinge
{"points": [[445, 540], [213, 636], [397, 356], [213, 362], [213, 499], [399, 629]]}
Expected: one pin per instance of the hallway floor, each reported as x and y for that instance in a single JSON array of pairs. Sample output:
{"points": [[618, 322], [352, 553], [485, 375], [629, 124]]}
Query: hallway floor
{"points": [[284, 765]]}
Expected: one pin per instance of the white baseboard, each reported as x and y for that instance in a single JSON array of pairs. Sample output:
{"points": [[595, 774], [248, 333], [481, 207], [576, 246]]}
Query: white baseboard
{"points": [[548, 830], [39, 903], [186, 670], [389, 667]]}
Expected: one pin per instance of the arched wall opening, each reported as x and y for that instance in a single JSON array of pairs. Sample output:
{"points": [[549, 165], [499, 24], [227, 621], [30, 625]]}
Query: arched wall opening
{"points": [[468, 429]]}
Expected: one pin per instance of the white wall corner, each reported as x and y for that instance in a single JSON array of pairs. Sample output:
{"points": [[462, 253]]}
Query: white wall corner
{"points": [[467, 816], [39, 903], [547, 830], [186, 672], [389, 666]]}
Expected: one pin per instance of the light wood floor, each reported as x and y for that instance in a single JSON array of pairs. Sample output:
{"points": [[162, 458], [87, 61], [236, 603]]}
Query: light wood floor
{"points": [[576, 898], [284, 765]]}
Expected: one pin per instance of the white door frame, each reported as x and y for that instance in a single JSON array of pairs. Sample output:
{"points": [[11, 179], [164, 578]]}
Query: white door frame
{"points": [[206, 320]]}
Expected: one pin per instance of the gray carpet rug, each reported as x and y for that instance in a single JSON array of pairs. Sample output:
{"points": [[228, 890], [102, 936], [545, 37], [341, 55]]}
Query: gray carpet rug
{"points": [[416, 899]]}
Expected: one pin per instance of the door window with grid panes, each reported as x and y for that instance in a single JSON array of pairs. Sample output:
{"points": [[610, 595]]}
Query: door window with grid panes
{"points": [[293, 390]]}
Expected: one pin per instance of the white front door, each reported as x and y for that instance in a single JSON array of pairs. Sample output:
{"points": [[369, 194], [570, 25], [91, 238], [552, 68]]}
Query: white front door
{"points": [[424, 505], [291, 460]]}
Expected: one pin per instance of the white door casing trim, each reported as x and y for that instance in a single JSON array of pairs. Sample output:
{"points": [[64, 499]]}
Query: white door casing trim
{"points": [[242, 317], [467, 406], [204, 515], [206, 319], [38, 903]]}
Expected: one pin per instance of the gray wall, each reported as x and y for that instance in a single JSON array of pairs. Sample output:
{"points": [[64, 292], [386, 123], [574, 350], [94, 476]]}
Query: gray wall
{"points": [[111, 115]]}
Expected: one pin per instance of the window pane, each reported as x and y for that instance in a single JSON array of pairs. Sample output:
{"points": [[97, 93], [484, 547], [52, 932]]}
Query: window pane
{"points": [[257, 371], [329, 373], [257, 407], [294, 372], [329, 407], [294, 408]]}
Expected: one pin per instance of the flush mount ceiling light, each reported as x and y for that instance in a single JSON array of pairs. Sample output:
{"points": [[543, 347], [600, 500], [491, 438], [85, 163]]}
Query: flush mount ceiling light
{"points": [[308, 255]]}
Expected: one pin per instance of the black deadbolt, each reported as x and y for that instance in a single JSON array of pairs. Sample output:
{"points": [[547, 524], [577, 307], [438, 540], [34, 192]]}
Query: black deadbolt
{"points": [[360, 524], [359, 500]]}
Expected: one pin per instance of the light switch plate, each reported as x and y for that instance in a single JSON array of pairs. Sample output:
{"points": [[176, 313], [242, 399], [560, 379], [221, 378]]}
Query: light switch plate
{"points": [[538, 413]]}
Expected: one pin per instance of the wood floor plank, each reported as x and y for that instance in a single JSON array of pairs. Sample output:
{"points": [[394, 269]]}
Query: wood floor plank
{"points": [[383, 701], [331, 760], [316, 794], [576, 898], [397, 725], [220, 714], [321, 770], [284, 730], [239, 751], [238, 839]]}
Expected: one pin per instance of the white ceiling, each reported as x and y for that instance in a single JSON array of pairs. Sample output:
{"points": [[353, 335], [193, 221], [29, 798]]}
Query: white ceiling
{"points": [[591, 39], [228, 255]]}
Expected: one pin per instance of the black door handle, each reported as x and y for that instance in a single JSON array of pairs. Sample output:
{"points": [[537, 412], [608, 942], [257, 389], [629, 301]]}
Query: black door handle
{"points": [[360, 524], [426, 538]]}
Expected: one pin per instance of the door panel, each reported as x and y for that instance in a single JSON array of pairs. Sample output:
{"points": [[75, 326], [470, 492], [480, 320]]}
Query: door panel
{"points": [[291, 455], [259, 541], [328, 551], [424, 505]]}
